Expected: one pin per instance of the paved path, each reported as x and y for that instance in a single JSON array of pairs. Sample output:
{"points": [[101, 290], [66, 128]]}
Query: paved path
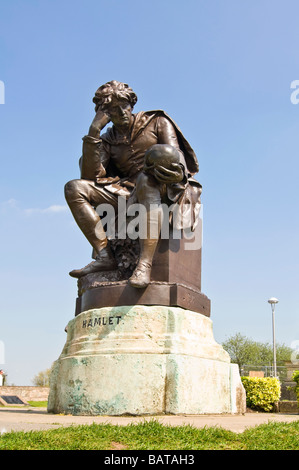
{"points": [[34, 419]]}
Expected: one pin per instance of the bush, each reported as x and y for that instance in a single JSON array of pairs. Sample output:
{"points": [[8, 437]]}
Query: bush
{"points": [[295, 377], [261, 392]]}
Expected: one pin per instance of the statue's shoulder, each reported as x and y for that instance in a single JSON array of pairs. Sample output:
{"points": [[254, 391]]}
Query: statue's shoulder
{"points": [[191, 159]]}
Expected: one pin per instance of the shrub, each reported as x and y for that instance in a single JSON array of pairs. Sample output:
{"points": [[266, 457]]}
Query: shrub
{"points": [[295, 377], [261, 392]]}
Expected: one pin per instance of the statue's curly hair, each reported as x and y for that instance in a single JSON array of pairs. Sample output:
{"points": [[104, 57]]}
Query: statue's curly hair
{"points": [[104, 94]]}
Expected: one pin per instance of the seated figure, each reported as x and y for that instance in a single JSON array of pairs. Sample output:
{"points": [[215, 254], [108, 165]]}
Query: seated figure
{"points": [[143, 158]]}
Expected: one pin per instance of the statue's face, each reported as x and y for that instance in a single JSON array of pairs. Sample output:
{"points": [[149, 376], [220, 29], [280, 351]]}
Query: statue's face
{"points": [[120, 113]]}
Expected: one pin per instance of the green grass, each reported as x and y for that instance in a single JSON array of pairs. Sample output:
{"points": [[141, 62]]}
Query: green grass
{"points": [[31, 403], [38, 403], [154, 436]]}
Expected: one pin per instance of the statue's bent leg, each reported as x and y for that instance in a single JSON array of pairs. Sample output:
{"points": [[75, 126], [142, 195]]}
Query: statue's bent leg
{"points": [[148, 194], [82, 196]]}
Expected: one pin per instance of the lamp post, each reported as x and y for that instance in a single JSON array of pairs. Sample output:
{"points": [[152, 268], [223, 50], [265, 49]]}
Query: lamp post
{"points": [[273, 301]]}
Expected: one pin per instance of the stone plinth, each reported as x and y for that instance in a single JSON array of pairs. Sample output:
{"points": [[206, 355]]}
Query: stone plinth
{"points": [[143, 360]]}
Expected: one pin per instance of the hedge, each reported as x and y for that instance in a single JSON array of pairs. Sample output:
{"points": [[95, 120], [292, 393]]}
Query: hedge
{"points": [[295, 377], [261, 392]]}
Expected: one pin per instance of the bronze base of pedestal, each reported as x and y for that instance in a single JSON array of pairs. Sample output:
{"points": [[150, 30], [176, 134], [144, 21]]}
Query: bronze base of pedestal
{"points": [[156, 293]]}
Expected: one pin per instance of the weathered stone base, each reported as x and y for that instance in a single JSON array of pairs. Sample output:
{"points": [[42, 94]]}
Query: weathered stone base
{"points": [[143, 360]]}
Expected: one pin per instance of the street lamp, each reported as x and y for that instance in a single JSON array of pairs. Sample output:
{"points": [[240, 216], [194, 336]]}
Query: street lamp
{"points": [[273, 301]]}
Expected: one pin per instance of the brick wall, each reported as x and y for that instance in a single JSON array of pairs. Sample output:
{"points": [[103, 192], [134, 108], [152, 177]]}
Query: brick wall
{"points": [[27, 393]]}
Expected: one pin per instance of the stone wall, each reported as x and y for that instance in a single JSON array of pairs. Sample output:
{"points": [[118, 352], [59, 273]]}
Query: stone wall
{"points": [[26, 393]]}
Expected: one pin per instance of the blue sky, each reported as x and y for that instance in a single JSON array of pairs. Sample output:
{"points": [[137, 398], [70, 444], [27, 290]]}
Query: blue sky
{"points": [[222, 69]]}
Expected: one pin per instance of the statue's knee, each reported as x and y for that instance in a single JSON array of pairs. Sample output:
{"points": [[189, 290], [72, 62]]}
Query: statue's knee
{"points": [[71, 189], [145, 185], [142, 179], [147, 190]]}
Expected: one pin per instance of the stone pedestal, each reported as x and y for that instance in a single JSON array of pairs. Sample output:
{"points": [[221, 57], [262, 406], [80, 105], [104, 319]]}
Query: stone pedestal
{"points": [[143, 360]]}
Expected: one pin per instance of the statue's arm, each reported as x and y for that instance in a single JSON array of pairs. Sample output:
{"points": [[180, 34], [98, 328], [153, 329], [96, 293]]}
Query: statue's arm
{"points": [[95, 157], [175, 173], [99, 122]]}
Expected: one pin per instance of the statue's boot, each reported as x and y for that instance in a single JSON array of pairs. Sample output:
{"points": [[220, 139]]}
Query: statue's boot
{"points": [[142, 274], [103, 262]]}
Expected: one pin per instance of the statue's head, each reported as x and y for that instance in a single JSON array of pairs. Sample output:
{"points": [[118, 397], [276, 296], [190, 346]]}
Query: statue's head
{"points": [[112, 91]]}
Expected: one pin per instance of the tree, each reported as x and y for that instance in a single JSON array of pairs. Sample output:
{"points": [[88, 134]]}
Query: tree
{"points": [[243, 350], [42, 379]]}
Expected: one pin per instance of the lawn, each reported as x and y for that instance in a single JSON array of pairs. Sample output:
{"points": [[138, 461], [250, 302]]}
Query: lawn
{"points": [[154, 436], [38, 404]]}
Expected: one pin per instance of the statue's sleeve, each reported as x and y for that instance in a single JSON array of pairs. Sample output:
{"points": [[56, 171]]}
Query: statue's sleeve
{"points": [[167, 135], [95, 158]]}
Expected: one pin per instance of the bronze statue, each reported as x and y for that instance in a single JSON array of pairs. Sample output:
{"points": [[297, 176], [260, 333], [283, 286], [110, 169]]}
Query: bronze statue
{"points": [[143, 158]]}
